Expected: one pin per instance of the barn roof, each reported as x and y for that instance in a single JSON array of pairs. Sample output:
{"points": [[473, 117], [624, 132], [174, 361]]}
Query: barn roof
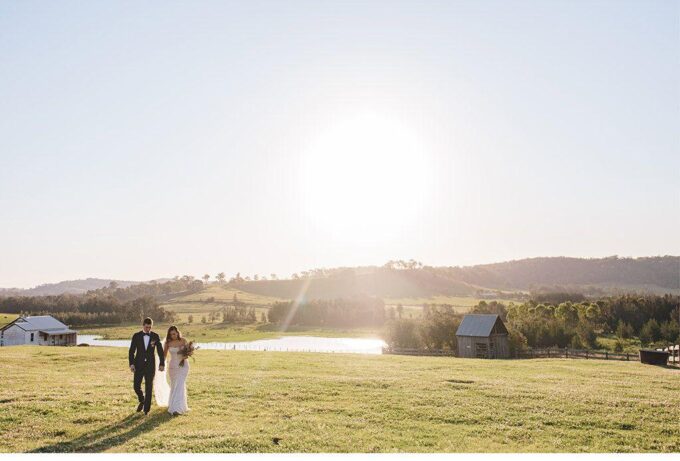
{"points": [[63, 331], [41, 322], [479, 325]]}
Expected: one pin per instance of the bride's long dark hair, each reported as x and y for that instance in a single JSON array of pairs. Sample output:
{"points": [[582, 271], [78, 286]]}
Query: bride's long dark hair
{"points": [[167, 336]]}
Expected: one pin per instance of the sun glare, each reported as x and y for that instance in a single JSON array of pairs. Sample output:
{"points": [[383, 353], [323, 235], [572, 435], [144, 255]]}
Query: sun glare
{"points": [[364, 178]]}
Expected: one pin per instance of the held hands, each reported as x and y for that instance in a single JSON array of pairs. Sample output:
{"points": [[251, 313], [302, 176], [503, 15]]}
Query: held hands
{"points": [[161, 367], [132, 368]]}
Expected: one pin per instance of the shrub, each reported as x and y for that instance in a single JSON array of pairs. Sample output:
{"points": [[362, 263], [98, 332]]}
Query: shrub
{"points": [[403, 333], [618, 346]]}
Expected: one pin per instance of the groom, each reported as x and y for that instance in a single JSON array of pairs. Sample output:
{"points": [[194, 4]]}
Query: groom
{"points": [[143, 362]]}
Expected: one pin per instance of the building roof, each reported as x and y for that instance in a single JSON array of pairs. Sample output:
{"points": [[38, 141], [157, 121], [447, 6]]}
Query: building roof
{"points": [[58, 332], [38, 323], [480, 325]]}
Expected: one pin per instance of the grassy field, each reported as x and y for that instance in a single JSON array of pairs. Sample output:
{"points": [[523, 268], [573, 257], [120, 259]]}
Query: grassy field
{"points": [[81, 400], [6, 318], [215, 297]]}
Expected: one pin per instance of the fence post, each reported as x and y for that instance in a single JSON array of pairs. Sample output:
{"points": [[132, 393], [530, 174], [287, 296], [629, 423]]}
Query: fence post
{"points": [[627, 357], [606, 355], [566, 352], [586, 354]]}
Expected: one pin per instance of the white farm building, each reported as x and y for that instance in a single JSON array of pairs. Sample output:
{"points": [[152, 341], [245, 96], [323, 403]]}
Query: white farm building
{"points": [[42, 330]]}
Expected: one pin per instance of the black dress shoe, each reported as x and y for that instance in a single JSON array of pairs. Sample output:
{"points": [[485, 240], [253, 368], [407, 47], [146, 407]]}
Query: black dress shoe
{"points": [[146, 413], [140, 407]]}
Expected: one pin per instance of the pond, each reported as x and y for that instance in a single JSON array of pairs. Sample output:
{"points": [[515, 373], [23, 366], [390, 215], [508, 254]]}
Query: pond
{"points": [[282, 344]]}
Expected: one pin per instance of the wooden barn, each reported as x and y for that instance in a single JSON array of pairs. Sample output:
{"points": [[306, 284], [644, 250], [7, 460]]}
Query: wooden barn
{"points": [[483, 336], [42, 330]]}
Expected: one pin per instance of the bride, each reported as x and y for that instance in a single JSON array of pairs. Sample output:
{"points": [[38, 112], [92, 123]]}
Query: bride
{"points": [[174, 396]]}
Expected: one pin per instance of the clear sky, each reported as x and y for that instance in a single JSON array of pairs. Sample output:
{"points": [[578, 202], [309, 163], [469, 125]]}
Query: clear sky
{"points": [[151, 139]]}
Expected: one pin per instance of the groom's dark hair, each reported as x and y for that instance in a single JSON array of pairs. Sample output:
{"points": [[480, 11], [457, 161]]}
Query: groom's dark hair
{"points": [[147, 321]]}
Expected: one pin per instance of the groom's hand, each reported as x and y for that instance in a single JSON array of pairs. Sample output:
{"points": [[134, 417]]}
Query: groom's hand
{"points": [[161, 367], [132, 368]]}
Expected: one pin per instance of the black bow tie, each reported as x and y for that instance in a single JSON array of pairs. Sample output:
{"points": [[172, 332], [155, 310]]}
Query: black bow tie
{"points": [[147, 334]]}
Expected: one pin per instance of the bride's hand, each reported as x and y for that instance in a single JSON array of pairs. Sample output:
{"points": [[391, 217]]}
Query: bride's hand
{"points": [[161, 367]]}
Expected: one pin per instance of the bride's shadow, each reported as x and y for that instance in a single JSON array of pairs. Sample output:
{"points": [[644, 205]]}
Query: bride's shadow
{"points": [[109, 436]]}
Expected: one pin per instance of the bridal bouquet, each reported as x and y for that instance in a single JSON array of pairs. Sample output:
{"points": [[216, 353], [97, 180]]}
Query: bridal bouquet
{"points": [[187, 351]]}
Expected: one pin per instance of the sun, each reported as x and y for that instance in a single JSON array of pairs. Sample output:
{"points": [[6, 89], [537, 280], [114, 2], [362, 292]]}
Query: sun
{"points": [[365, 177]]}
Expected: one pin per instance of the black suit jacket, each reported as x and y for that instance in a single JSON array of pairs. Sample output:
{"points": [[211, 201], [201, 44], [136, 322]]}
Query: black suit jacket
{"points": [[141, 357]]}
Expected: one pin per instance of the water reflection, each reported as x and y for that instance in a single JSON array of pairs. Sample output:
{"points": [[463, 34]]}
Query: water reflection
{"points": [[283, 344]]}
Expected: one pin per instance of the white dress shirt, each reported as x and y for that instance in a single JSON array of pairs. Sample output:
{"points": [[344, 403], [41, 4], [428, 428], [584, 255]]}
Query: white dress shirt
{"points": [[146, 341]]}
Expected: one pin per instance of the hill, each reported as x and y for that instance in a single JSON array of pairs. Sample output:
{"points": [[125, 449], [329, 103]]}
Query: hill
{"points": [[656, 275], [597, 276], [301, 402], [68, 286], [594, 276], [370, 281]]}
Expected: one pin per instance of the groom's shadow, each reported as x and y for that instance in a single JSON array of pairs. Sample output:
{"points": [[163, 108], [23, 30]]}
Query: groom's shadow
{"points": [[109, 436]]}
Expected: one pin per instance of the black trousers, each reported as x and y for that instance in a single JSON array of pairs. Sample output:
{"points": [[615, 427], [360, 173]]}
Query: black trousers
{"points": [[147, 373]]}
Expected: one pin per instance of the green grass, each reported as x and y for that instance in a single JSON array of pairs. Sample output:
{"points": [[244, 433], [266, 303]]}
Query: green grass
{"points": [[609, 342], [222, 294], [219, 332], [81, 400], [6, 318]]}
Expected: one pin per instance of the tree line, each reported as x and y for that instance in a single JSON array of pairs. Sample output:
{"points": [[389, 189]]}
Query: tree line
{"points": [[653, 319], [353, 312], [79, 310], [184, 284]]}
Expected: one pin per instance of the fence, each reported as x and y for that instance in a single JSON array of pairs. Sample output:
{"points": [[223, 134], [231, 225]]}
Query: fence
{"points": [[673, 354], [422, 352], [553, 352], [567, 353]]}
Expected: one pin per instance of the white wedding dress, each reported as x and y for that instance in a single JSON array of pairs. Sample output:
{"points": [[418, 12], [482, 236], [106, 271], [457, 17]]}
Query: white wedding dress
{"points": [[173, 395]]}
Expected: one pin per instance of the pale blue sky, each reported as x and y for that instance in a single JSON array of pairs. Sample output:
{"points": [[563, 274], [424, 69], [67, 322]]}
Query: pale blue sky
{"points": [[151, 139]]}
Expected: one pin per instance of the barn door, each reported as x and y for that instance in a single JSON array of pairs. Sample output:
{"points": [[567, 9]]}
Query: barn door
{"points": [[481, 350]]}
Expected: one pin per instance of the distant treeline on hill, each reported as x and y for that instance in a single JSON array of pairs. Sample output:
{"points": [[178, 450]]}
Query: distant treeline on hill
{"points": [[654, 319], [594, 278], [341, 313], [77, 310], [596, 273], [104, 306], [178, 285]]}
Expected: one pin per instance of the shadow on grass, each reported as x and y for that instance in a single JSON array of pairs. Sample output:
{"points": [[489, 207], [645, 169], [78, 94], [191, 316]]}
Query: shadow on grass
{"points": [[109, 436]]}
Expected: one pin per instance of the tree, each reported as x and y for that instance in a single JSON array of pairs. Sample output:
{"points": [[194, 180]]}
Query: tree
{"points": [[203, 319], [221, 277], [206, 278], [190, 319], [400, 310], [650, 332], [669, 330], [517, 341], [403, 334], [623, 330]]}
